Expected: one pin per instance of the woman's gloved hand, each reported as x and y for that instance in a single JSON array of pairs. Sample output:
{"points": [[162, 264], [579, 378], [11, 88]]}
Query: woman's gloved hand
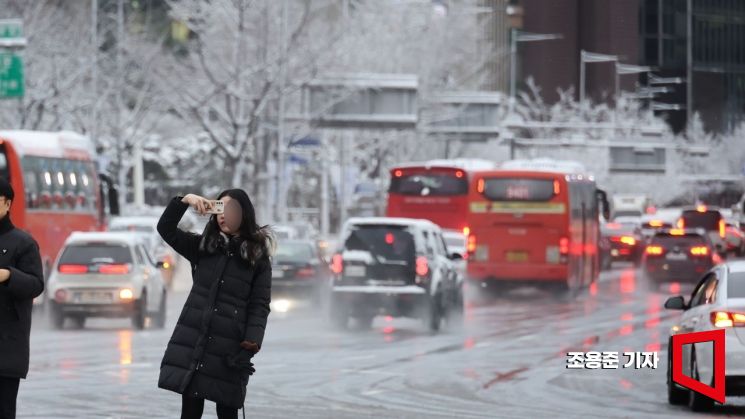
{"points": [[242, 360]]}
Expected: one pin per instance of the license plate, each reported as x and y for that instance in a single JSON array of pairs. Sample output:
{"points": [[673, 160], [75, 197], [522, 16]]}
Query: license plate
{"points": [[354, 271], [94, 297], [517, 256], [676, 256], [278, 273]]}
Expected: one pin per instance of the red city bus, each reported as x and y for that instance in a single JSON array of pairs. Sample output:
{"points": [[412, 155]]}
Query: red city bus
{"points": [[534, 226], [435, 190], [56, 187]]}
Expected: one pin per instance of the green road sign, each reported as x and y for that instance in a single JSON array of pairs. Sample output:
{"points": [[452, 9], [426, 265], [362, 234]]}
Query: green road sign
{"points": [[11, 76], [11, 28]]}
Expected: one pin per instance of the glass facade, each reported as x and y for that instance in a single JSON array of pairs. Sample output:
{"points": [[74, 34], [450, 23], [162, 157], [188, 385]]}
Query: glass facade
{"points": [[718, 45]]}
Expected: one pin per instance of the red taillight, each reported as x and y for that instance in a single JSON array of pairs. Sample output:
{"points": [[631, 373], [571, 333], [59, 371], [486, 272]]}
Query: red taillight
{"points": [[422, 267], [557, 187], [114, 269], [727, 319], [564, 246], [722, 228], [398, 173], [480, 186], [471, 247], [681, 223], [628, 240], [655, 250], [73, 269], [700, 251], [389, 238], [336, 264], [459, 174], [306, 272]]}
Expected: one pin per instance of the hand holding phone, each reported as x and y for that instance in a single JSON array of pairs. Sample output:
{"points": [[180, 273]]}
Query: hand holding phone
{"points": [[215, 207]]}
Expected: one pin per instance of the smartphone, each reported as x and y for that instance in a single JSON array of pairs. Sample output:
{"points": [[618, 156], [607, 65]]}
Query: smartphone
{"points": [[216, 207]]}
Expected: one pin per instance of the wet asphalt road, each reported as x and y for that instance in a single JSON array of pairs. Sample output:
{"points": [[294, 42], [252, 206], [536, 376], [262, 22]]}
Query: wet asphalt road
{"points": [[507, 360]]}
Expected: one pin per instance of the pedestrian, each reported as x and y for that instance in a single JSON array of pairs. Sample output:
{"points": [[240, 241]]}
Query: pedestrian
{"points": [[21, 280], [221, 326]]}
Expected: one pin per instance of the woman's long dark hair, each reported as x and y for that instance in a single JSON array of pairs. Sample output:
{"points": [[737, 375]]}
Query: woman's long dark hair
{"points": [[256, 241]]}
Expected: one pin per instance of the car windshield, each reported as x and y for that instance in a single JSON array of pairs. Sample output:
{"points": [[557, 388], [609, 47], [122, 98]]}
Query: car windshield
{"points": [[293, 252], [668, 241], [133, 227], [385, 243], [455, 241], [96, 253], [708, 220]]}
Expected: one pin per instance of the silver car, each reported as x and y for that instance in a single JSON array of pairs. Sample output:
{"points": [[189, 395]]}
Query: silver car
{"points": [[106, 275]]}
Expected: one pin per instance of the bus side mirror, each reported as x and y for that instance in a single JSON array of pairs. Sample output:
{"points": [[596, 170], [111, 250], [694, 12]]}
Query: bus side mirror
{"points": [[602, 197], [113, 200]]}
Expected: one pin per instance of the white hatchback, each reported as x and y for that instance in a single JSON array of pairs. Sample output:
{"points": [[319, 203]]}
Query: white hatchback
{"points": [[106, 275], [717, 303]]}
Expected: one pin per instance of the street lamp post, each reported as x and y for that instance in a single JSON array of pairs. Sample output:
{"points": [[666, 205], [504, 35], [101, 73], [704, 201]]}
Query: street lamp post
{"points": [[522, 36], [624, 69], [590, 57]]}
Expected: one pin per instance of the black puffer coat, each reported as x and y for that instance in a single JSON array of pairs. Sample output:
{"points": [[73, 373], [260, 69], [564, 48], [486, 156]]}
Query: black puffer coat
{"points": [[228, 304], [19, 253]]}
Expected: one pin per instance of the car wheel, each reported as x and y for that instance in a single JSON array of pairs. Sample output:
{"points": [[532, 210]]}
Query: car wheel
{"points": [[78, 322], [433, 312], [456, 310], [138, 318], [698, 402], [56, 318], [160, 318], [675, 395], [365, 322]]}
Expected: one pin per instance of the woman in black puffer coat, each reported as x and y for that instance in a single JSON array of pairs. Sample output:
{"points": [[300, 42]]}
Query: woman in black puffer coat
{"points": [[221, 326]]}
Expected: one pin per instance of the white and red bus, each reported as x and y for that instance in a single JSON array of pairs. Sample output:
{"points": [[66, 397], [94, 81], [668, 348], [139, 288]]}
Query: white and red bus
{"points": [[57, 188], [534, 221], [435, 190]]}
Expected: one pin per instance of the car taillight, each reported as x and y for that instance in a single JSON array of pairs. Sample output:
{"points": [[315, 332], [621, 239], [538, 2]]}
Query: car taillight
{"points": [[681, 223], [471, 247], [422, 266], [627, 240], [336, 264], [119, 269], [727, 319], [655, 250], [699, 251], [564, 246], [73, 269], [306, 272], [722, 229], [466, 231]]}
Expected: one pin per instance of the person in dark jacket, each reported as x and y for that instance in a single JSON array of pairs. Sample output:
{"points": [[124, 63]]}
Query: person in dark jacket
{"points": [[21, 280], [221, 326]]}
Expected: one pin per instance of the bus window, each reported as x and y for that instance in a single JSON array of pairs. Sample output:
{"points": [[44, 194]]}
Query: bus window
{"points": [[518, 189], [429, 184], [30, 183]]}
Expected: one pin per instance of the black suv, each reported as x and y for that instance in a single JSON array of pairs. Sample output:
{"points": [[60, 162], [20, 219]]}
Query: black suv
{"points": [[679, 255], [394, 266]]}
